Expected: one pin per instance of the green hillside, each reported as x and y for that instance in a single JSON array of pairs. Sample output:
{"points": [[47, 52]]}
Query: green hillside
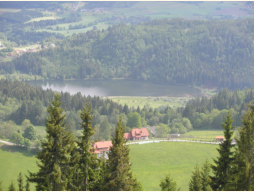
{"points": [[210, 53]]}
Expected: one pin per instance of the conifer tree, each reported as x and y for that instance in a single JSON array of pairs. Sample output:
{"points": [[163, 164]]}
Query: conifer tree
{"points": [[12, 187], [119, 176], [88, 163], [27, 185], [195, 182], [242, 173], [168, 184], [222, 163], [55, 171], [205, 178], [20, 182]]}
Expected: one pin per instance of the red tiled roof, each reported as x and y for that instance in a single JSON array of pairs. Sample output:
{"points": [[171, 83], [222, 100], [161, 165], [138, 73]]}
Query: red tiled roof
{"points": [[142, 132], [102, 146], [220, 137], [127, 135]]}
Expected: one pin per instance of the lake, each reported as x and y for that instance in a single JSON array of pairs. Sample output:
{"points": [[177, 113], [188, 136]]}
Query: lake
{"points": [[117, 88]]}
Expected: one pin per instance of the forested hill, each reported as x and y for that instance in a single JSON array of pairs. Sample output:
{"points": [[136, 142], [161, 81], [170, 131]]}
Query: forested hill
{"points": [[210, 53]]}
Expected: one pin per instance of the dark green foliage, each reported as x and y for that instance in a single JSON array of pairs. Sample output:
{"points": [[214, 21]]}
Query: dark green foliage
{"points": [[12, 187], [1, 186], [88, 163], [134, 120], [195, 182], [222, 163], [55, 170], [205, 176], [30, 133], [20, 182], [27, 185], [119, 175], [168, 184]]}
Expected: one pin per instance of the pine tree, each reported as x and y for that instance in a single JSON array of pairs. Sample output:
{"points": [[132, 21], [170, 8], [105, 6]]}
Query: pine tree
{"points": [[242, 172], [20, 182], [168, 184], [12, 187], [119, 176], [27, 185], [205, 178], [195, 182], [88, 163], [222, 163], [55, 171]]}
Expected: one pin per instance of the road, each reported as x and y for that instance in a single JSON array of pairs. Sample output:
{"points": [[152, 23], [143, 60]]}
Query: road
{"points": [[77, 6], [6, 142]]}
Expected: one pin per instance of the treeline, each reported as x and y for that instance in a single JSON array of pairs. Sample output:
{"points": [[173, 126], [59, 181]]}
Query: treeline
{"points": [[20, 16], [210, 53], [74, 165]]}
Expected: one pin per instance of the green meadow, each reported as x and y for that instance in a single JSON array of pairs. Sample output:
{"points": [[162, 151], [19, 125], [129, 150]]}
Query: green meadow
{"points": [[13, 160], [153, 102], [150, 162]]}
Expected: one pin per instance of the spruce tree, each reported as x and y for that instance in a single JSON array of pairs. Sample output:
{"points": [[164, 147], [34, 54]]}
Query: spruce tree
{"points": [[205, 178], [242, 173], [27, 185], [55, 171], [88, 163], [195, 182], [119, 176], [222, 163], [168, 184], [20, 182], [12, 187]]}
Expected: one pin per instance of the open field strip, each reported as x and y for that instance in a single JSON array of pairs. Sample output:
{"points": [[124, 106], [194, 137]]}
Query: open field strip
{"points": [[151, 162], [9, 10], [44, 18], [153, 102], [14, 159]]}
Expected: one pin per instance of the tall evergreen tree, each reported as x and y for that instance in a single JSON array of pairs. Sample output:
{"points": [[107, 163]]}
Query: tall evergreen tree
{"points": [[222, 163], [55, 171], [20, 182], [12, 187], [205, 178], [168, 184], [27, 185], [119, 176], [88, 164], [195, 182], [242, 173]]}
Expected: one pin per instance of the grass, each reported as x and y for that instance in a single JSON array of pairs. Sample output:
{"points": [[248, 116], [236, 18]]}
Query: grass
{"points": [[19, 76], [205, 133], [13, 160], [9, 10], [151, 162], [153, 102]]}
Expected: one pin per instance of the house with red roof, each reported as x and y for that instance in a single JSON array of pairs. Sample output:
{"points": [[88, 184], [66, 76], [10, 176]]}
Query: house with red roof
{"points": [[102, 148], [220, 138], [137, 134]]}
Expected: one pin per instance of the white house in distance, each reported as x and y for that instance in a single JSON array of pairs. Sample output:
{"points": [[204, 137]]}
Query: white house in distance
{"points": [[102, 147], [137, 134]]}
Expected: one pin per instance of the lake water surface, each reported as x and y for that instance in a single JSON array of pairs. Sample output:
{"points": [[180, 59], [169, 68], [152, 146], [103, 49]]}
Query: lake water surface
{"points": [[117, 88]]}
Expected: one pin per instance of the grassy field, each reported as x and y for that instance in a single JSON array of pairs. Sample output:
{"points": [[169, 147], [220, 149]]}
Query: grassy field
{"points": [[13, 160], [204, 133], [153, 102], [151, 162]]}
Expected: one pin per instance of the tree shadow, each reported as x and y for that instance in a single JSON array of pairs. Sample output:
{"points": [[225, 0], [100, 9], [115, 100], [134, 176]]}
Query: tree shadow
{"points": [[18, 149]]}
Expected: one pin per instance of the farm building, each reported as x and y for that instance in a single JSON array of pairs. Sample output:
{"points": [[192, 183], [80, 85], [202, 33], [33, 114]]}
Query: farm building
{"points": [[52, 45], [174, 135], [220, 138], [137, 134], [102, 147]]}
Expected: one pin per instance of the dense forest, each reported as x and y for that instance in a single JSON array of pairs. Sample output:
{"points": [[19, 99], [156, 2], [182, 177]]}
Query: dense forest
{"points": [[20, 101], [210, 53]]}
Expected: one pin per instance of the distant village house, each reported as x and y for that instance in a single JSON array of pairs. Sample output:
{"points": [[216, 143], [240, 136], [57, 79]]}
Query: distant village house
{"points": [[220, 138], [102, 148], [137, 134]]}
